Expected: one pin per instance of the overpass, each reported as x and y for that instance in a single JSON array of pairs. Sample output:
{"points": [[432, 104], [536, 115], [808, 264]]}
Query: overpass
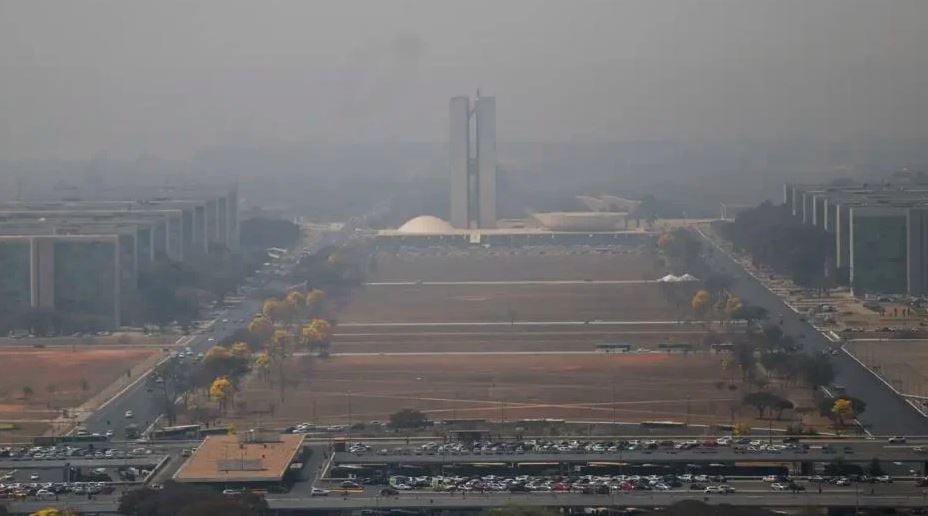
{"points": [[625, 499], [283, 504], [856, 453]]}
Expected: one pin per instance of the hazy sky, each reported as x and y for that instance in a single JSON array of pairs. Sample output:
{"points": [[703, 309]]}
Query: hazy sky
{"points": [[170, 77]]}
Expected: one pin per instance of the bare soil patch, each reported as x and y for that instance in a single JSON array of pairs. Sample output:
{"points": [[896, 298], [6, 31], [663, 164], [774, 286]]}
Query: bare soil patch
{"points": [[594, 387], [554, 263], [508, 338], [504, 303], [58, 378], [902, 363]]}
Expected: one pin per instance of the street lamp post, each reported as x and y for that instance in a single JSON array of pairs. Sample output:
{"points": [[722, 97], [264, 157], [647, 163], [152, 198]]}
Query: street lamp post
{"points": [[349, 416]]}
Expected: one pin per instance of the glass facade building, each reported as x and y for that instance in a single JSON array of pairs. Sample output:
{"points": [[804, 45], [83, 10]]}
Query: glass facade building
{"points": [[85, 279], [878, 252], [16, 276]]}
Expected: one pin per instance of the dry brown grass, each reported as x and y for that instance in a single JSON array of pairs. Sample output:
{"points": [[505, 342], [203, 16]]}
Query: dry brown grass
{"points": [[67, 371], [508, 265], [901, 362], [500, 303], [652, 386]]}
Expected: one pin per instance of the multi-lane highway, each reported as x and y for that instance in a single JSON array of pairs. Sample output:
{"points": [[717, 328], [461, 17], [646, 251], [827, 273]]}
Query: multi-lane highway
{"points": [[845, 498], [886, 413], [842, 498], [147, 406], [857, 453]]}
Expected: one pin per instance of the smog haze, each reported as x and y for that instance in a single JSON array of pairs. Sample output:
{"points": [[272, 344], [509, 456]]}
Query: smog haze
{"points": [[171, 78]]}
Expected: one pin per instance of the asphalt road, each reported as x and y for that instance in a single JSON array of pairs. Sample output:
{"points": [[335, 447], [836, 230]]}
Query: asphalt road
{"points": [[81, 462], [862, 452], [912, 497], [848, 498], [741, 486], [886, 414], [146, 406]]}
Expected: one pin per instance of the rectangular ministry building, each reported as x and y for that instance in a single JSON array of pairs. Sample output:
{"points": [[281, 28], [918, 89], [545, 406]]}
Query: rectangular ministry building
{"points": [[879, 235]]}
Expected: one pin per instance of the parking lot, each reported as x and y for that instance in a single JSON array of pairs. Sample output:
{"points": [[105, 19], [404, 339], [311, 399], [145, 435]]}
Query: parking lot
{"points": [[710, 466], [47, 472]]}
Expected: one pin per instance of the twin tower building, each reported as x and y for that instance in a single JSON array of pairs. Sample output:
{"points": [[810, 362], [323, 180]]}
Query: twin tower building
{"points": [[472, 152]]}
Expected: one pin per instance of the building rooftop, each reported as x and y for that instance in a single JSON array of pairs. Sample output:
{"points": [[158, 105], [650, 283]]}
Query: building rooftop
{"points": [[241, 458]]}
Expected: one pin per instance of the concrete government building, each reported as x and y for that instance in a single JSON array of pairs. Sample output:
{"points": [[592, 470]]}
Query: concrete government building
{"points": [[83, 256], [472, 154], [878, 234]]}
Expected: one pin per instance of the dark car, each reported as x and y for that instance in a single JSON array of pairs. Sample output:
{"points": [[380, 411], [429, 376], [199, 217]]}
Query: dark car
{"points": [[389, 491], [697, 487]]}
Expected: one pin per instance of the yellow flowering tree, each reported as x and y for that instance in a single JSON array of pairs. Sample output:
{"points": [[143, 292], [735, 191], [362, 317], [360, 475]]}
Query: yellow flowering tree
{"points": [[222, 391], [262, 328], [240, 350]]}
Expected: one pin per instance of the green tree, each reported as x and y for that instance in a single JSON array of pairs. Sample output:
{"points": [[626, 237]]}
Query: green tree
{"points": [[185, 500], [408, 418], [519, 510], [817, 372], [875, 469], [647, 210], [762, 401]]}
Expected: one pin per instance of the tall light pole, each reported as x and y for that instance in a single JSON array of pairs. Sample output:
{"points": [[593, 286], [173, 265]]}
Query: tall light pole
{"points": [[613, 404], [349, 416]]}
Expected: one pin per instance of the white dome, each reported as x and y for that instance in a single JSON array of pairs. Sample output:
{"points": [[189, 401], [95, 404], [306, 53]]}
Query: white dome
{"points": [[424, 224]]}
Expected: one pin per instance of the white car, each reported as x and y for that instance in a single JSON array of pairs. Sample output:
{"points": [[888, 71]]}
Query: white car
{"points": [[34, 476], [779, 487], [109, 433], [130, 414], [898, 439], [713, 489], [316, 491]]}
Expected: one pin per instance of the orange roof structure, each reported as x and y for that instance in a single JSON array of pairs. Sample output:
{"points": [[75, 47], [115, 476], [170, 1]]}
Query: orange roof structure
{"points": [[248, 457]]}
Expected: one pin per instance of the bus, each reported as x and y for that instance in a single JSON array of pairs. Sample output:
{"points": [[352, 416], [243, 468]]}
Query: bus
{"points": [[176, 432], [614, 347]]}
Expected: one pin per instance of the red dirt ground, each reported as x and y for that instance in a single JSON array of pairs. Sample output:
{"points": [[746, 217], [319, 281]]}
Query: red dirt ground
{"points": [[633, 387], [40, 368]]}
